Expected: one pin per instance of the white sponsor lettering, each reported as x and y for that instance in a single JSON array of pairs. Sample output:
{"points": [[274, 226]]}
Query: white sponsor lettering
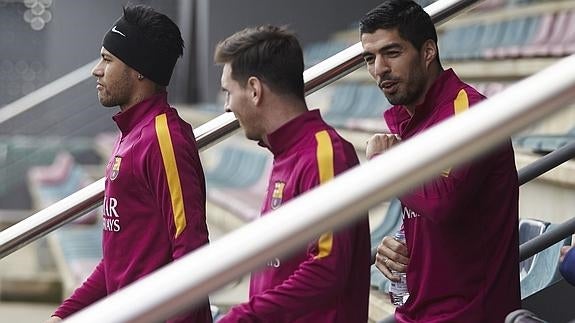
{"points": [[409, 214], [110, 204], [111, 220]]}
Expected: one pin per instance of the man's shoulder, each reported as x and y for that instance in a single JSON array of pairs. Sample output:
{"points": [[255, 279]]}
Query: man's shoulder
{"points": [[460, 98], [166, 128]]}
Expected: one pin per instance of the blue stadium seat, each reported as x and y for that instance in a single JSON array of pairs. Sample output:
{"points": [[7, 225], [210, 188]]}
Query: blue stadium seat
{"points": [[544, 269], [529, 229], [357, 106], [525, 35], [238, 181], [317, 52], [77, 250], [517, 33], [237, 167], [543, 144]]}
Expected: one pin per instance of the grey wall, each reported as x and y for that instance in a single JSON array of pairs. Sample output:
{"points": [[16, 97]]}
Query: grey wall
{"points": [[314, 20]]}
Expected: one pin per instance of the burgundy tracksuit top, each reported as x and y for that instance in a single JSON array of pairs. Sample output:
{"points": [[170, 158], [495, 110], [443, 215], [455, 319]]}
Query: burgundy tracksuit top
{"points": [[329, 280], [462, 227], [154, 204]]}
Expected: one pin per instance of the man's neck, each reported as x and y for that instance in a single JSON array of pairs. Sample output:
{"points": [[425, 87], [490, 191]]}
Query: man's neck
{"points": [[280, 112], [433, 76]]}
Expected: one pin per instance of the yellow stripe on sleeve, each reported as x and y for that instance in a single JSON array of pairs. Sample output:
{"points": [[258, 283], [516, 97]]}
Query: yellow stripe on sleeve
{"points": [[169, 158], [461, 103], [324, 154]]}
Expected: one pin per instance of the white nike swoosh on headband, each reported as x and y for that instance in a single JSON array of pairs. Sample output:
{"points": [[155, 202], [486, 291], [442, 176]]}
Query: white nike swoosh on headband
{"points": [[114, 30]]}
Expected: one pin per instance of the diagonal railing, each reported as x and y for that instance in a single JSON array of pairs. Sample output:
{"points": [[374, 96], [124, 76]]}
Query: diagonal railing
{"points": [[87, 199], [181, 284]]}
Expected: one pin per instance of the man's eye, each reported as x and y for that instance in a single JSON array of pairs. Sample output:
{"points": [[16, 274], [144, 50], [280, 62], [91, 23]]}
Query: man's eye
{"points": [[368, 59]]}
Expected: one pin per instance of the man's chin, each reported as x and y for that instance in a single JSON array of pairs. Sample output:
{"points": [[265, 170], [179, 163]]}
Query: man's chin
{"points": [[107, 104]]}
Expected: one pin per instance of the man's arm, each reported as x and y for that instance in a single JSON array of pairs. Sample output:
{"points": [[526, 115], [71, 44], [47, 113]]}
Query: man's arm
{"points": [[447, 194], [177, 181], [316, 282], [92, 290]]}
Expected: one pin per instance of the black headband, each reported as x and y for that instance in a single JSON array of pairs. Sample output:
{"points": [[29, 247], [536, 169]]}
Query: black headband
{"points": [[127, 42]]}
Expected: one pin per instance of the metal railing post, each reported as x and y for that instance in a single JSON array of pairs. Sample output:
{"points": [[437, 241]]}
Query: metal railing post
{"points": [[546, 240], [546, 163]]}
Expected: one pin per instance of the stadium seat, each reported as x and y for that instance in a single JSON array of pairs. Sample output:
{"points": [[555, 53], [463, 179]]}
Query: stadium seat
{"points": [[529, 229], [550, 34], [520, 31], [77, 250], [317, 52], [543, 144], [238, 181], [566, 45], [544, 269], [237, 167], [51, 183], [357, 106]]}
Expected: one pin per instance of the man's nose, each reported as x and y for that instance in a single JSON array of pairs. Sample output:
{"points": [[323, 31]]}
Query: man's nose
{"points": [[97, 70], [381, 66]]}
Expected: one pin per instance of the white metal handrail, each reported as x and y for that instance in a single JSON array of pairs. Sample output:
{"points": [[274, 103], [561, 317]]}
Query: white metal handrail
{"points": [[46, 92], [179, 285], [215, 130]]}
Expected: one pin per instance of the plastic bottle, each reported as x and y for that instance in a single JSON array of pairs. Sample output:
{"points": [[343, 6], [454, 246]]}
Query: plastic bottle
{"points": [[398, 292]]}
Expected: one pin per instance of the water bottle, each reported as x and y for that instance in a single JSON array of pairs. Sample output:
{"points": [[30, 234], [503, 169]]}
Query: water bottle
{"points": [[398, 292]]}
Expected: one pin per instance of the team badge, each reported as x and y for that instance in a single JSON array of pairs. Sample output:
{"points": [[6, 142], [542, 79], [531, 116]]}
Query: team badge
{"points": [[115, 168], [278, 194]]}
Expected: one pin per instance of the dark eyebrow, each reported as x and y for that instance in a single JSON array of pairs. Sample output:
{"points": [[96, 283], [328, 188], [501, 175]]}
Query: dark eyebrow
{"points": [[382, 49], [389, 47]]}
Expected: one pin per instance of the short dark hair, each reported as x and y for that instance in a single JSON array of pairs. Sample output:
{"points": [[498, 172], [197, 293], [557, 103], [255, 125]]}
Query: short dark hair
{"points": [[272, 54], [411, 21], [157, 27]]}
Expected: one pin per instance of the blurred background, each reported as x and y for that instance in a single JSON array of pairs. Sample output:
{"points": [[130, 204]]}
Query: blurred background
{"points": [[61, 144]]}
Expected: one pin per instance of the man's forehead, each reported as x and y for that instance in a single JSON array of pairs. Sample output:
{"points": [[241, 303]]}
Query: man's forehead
{"points": [[104, 51], [380, 38]]}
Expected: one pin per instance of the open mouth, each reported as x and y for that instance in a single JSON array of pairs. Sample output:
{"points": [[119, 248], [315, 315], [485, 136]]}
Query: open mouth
{"points": [[387, 85]]}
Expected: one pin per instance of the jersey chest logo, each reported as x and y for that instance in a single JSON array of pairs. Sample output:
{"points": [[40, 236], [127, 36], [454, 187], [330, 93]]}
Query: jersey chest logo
{"points": [[115, 168], [277, 194]]}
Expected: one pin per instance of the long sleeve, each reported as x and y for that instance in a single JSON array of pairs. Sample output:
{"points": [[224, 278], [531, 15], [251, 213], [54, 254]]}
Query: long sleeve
{"points": [[444, 196], [177, 181], [313, 284], [92, 290], [179, 188]]}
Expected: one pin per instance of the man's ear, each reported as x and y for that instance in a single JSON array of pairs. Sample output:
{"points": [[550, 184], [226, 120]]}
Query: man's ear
{"points": [[429, 52], [255, 90]]}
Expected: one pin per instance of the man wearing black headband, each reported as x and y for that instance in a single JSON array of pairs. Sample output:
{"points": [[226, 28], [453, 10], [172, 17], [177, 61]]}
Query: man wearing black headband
{"points": [[154, 201]]}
